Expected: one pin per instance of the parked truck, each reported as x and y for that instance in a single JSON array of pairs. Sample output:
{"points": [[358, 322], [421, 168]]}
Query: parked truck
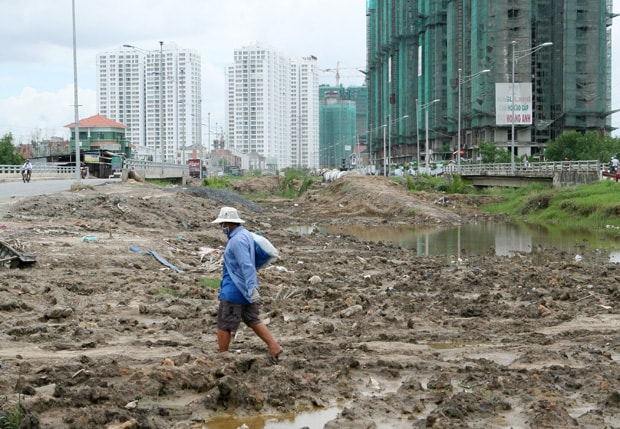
{"points": [[195, 167]]}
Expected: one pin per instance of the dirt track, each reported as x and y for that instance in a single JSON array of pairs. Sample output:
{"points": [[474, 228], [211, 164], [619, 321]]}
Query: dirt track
{"points": [[95, 335]]}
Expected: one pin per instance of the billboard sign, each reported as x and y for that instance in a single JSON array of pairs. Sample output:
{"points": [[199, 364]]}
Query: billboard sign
{"points": [[91, 157], [522, 103]]}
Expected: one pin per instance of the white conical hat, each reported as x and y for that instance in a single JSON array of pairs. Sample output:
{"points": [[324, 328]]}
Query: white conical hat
{"points": [[228, 214]]}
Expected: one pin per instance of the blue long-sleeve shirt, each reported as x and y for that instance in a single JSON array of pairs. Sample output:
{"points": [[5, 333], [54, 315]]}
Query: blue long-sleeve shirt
{"points": [[239, 272]]}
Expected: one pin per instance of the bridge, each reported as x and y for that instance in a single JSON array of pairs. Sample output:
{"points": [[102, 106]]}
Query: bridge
{"points": [[144, 169], [156, 170], [559, 174]]}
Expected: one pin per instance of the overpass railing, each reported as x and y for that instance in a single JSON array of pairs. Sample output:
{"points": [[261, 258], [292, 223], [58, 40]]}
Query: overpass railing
{"points": [[148, 169], [156, 170], [38, 169], [150, 165], [529, 169]]}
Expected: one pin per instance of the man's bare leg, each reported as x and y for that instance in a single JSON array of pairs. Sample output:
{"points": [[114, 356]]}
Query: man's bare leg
{"points": [[223, 340], [263, 333]]}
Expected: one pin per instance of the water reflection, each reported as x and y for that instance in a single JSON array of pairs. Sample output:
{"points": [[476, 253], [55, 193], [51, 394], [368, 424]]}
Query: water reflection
{"points": [[503, 239], [312, 420]]}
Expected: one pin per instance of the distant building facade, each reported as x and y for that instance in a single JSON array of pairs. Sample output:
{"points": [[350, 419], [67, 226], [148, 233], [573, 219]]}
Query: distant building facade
{"points": [[343, 124], [428, 50], [98, 133], [157, 94], [272, 109]]}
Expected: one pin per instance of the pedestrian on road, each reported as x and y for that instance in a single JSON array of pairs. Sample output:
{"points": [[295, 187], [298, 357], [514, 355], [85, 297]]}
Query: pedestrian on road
{"points": [[239, 295]]}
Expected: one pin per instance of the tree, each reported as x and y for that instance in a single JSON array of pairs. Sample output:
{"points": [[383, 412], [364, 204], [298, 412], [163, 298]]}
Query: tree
{"points": [[576, 146], [8, 152], [491, 153]]}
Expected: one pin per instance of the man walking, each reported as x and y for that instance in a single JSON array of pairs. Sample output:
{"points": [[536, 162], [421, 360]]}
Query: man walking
{"points": [[239, 295]]}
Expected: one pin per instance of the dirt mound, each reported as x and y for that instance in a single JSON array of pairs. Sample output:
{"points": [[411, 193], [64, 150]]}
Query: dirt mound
{"points": [[377, 198]]}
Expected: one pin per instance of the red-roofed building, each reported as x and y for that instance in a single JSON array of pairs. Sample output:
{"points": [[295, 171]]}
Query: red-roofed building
{"points": [[98, 133]]}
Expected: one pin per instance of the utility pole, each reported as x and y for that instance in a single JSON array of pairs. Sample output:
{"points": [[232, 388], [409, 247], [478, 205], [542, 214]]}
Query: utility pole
{"points": [[78, 175]]}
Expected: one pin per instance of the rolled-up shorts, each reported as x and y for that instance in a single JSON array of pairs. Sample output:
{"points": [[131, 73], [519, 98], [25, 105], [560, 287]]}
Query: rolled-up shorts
{"points": [[230, 316]]}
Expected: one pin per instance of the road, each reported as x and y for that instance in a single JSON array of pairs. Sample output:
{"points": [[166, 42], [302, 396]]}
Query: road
{"points": [[42, 187]]}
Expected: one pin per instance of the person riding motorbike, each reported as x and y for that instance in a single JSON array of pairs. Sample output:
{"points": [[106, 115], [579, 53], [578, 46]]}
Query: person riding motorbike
{"points": [[613, 165], [27, 169]]}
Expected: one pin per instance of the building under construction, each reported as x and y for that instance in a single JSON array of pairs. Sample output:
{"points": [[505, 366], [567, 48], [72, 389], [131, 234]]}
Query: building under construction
{"points": [[342, 124], [434, 67]]}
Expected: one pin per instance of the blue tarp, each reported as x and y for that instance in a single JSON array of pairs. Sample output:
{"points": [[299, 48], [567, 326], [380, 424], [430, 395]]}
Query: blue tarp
{"points": [[157, 256]]}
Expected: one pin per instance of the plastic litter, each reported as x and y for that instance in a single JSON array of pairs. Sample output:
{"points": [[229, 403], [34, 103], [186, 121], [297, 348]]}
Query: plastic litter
{"points": [[157, 256]]}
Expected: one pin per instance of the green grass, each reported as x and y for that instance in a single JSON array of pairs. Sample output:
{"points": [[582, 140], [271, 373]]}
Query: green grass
{"points": [[449, 184], [217, 182], [209, 283], [586, 206], [293, 184], [13, 419], [161, 182], [163, 291]]}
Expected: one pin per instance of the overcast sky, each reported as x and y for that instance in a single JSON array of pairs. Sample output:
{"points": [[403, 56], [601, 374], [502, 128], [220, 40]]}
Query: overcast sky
{"points": [[36, 59]]}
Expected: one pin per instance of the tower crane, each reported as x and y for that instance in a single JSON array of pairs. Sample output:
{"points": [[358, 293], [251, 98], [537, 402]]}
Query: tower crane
{"points": [[337, 71]]}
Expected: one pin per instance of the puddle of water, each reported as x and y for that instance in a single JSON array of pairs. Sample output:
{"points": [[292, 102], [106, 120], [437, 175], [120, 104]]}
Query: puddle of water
{"points": [[505, 239], [310, 419], [453, 345], [576, 412]]}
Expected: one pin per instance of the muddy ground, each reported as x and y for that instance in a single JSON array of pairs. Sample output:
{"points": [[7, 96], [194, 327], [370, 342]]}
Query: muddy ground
{"points": [[94, 335]]}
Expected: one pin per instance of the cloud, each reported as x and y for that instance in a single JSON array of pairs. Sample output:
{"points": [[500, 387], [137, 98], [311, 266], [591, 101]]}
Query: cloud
{"points": [[36, 61], [43, 114]]}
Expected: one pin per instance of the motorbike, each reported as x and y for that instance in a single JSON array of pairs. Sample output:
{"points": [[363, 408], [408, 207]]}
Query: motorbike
{"points": [[26, 175], [84, 172]]}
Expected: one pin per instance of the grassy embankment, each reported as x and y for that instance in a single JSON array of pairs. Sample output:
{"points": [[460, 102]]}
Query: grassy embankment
{"points": [[595, 206]]}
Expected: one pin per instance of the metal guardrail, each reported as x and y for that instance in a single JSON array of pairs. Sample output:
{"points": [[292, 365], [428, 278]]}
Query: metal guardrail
{"points": [[38, 169], [539, 169], [149, 165], [156, 170], [65, 169]]}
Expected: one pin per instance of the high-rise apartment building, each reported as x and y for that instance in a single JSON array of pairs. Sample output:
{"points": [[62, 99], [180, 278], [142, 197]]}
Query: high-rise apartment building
{"points": [[423, 51], [272, 108], [343, 124], [156, 94]]}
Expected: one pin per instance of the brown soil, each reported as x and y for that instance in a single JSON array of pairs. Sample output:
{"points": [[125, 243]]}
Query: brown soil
{"points": [[94, 335]]}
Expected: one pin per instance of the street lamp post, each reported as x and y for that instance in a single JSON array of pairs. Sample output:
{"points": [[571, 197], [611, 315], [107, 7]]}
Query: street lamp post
{"points": [[389, 159], [417, 134], [461, 82], [384, 152], [208, 141], [428, 151], [521, 54], [76, 131], [418, 108]]}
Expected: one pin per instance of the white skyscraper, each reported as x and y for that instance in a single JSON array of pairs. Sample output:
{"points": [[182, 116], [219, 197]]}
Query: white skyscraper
{"points": [[130, 85], [272, 108], [304, 112]]}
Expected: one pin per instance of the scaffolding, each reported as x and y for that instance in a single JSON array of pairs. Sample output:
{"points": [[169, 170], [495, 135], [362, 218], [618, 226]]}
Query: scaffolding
{"points": [[416, 49], [337, 125]]}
